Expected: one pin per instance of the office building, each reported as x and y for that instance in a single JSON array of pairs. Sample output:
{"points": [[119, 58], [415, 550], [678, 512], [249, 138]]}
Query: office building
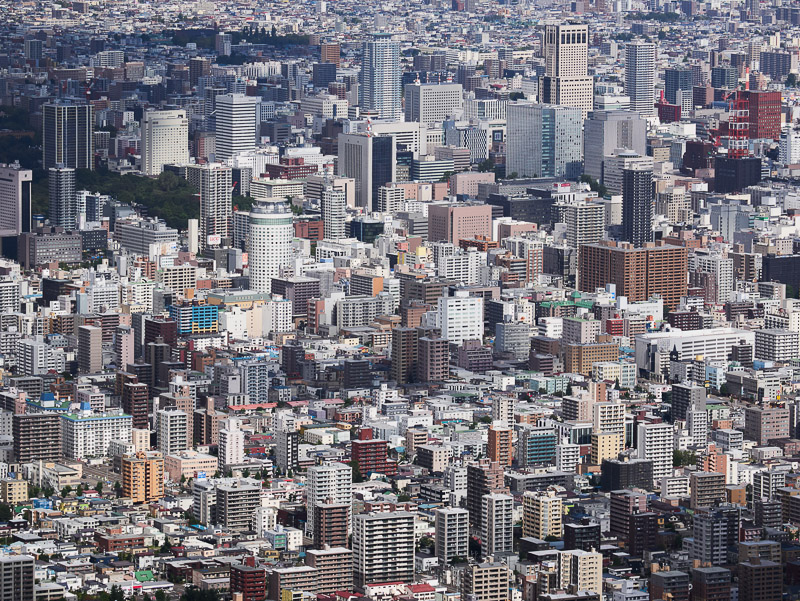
{"points": [[379, 80], [165, 140], [67, 136], [460, 317], [383, 548], [143, 476], [566, 81], [452, 534], [608, 130], [455, 222], [627, 473], [433, 103], [269, 243], [544, 141], [371, 161], [236, 125], [15, 199]]}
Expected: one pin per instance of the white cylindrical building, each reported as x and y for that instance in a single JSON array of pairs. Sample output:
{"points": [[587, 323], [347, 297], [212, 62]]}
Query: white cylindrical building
{"points": [[270, 243]]}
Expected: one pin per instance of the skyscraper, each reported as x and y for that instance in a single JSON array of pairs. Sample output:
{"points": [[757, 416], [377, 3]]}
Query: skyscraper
{"points": [[371, 161], [637, 205], [497, 521], [15, 199], [269, 243], [380, 78], [676, 78], [90, 349], [640, 68], [165, 140], [213, 181], [236, 124], [544, 141], [67, 135], [333, 204], [329, 483], [63, 201], [606, 131], [566, 81]]}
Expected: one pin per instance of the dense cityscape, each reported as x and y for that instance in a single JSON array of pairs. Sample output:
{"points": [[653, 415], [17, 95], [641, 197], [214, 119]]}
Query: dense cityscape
{"points": [[452, 300]]}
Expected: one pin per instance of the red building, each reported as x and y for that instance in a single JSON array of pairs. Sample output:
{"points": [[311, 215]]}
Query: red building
{"points": [[310, 229], [290, 168], [668, 113], [765, 114], [249, 580], [371, 455]]}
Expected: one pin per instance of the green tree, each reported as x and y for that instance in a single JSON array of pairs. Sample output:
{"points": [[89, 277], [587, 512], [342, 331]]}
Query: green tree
{"points": [[357, 477], [118, 488], [792, 80], [66, 490], [79, 491], [516, 96], [6, 512], [99, 487], [594, 185]]}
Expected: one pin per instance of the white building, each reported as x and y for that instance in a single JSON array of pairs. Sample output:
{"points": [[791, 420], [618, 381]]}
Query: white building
{"points": [[498, 523], [165, 140], [213, 180], [567, 457], [231, 443], [460, 317], [790, 146], [87, 434], [432, 103], [235, 124], [330, 482], [640, 69], [172, 426], [654, 442], [269, 243], [380, 77], [15, 191], [333, 205]]}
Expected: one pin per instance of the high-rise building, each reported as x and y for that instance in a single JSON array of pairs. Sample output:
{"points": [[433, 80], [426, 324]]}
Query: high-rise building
{"points": [[328, 483], [497, 524], [165, 140], [544, 140], [36, 436], [67, 136], [460, 317], [380, 77], [500, 448], [371, 161], [249, 580], [404, 355], [684, 397], [237, 504], [675, 79], [15, 199], [483, 478], [542, 514], [330, 53], [623, 504], [17, 578], [433, 103], [454, 222], [231, 443], [585, 223], [452, 533], [760, 580], [640, 68], [580, 570], [63, 201], [764, 110], [172, 427], [333, 205], [143, 476], [286, 449], [672, 585], [90, 349], [486, 581], [637, 205], [713, 532], [213, 181], [269, 243], [707, 489], [433, 359], [638, 273], [654, 442], [566, 81], [383, 548], [763, 424], [711, 584], [606, 131], [136, 403], [236, 125]]}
